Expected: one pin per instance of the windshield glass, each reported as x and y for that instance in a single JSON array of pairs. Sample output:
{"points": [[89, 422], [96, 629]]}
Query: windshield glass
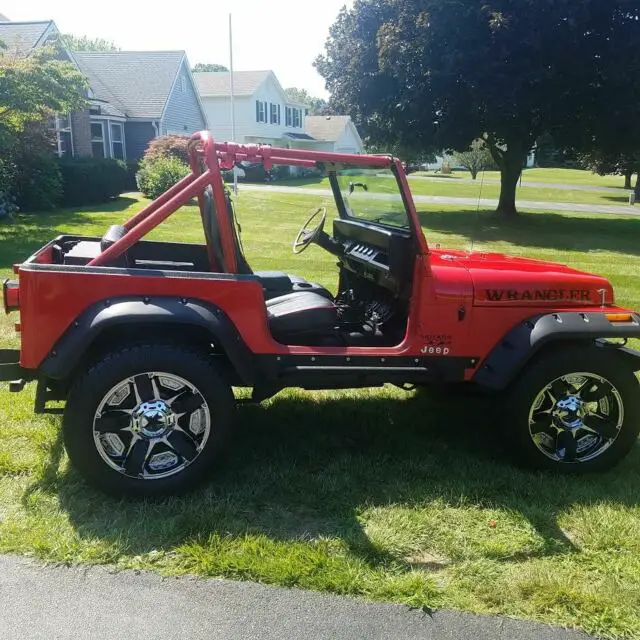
{"points": [[373, 195]]}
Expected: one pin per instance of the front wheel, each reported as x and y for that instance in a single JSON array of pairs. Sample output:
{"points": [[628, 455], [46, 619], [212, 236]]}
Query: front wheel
{"points": [[147, 420], [574, 411]]}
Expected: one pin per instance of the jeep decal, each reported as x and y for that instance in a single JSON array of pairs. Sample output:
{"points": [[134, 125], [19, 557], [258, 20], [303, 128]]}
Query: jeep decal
{"points": [[437, 344]]}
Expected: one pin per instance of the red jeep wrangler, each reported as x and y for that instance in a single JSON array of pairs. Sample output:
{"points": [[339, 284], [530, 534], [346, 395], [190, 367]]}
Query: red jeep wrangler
{"points": [[145, 340]]}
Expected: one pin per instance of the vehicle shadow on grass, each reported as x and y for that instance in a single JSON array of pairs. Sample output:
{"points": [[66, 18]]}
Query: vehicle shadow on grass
{"points": [[540, 230], [304, 469], [30, 231]]}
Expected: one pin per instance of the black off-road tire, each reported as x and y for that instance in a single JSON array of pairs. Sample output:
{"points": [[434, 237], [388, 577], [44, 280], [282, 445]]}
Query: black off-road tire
{"points": [[521, 395], [91, 387]]}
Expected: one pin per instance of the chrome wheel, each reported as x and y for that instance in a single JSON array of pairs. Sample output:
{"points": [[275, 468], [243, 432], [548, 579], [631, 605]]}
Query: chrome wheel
{"points": [[576, 418], [151, 426]]}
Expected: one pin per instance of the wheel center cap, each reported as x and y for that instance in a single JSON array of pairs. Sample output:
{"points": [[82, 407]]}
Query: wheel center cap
{"points": [[570, 411], [153, 419]]}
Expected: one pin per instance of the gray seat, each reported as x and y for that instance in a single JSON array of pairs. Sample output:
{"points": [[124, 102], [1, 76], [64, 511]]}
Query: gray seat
{"points": [[302, 315], [274, 283]]}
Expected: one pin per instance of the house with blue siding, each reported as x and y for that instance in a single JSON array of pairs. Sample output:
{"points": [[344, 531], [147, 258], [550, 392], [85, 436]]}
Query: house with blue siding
{"points": [[134, 96]]}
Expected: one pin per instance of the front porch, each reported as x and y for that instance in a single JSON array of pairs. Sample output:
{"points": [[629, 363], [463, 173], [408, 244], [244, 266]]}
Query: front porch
{"points": [[292, 141]]}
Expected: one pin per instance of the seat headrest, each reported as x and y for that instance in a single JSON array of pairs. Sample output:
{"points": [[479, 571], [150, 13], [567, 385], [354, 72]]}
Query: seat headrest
{"points": [[114, 233]]}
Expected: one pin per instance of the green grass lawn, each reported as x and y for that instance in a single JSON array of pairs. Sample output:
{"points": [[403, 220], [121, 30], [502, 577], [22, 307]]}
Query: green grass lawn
{"points": [[558, 176], [568, 176], [372, 493], [477, 189]]}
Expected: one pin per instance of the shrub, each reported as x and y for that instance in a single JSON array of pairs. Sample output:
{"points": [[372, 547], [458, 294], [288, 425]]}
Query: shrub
{"points": [[156, 176], [38, 184], [8, 206], [7, 199], [282, 172], [133, 166], [168, 147], [253, 172], [30, 171], [92, 180]]}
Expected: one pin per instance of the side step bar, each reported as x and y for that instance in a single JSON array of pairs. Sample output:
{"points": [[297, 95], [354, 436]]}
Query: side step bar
{"points": [[320, 377]]}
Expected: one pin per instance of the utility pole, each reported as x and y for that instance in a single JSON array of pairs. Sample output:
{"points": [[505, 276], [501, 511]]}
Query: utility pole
{"points": [[233, 103]]}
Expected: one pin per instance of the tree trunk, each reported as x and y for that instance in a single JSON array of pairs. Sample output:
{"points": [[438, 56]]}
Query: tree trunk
{"points": [[510, 171], [510, 162], [627, 180], [637, 187], [474, 174]]}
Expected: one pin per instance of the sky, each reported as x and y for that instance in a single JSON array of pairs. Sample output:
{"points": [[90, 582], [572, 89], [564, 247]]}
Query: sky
{"points": [[282, 35]]}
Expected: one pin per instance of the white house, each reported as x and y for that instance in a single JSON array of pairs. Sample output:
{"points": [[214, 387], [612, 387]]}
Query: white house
{"points": [[337, 132], [264, 114]]}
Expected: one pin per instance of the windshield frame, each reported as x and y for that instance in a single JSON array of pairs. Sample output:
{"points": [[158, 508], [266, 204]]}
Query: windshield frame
{"points": [[343, 210]]}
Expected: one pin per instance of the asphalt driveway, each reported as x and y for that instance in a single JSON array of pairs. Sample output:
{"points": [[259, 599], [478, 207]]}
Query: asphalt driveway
{"points": [[59, 603]]}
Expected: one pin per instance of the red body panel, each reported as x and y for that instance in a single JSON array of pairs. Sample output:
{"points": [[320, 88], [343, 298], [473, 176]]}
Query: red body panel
{"points": [[502, 280], [45, 293], [442, 289]]}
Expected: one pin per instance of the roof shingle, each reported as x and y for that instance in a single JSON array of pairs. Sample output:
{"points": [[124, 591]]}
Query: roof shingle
{"points": [[21, 37], [217, 83], [328, 128], [137, 83]]}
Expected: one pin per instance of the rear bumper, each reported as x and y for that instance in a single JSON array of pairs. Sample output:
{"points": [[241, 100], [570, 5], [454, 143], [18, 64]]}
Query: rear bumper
{"points": [[10, 368]]}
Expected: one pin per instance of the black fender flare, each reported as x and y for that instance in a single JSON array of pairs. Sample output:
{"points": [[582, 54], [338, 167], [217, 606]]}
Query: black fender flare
{"points": [[72, 346], [513, 352]]}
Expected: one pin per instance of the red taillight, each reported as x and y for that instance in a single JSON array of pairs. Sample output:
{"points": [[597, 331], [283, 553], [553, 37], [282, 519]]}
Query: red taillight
{"points": [[11, 295]]}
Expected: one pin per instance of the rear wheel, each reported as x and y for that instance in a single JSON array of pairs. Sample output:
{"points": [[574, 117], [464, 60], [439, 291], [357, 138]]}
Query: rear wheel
{"points": [[148, 420], [574, 411]]}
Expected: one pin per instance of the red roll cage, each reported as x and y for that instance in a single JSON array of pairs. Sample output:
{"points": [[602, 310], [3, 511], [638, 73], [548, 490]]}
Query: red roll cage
{"points": [[208, 159]]}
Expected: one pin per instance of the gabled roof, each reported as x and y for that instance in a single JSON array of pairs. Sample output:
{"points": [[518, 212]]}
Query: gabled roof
{"points": [[21, 37], [328, 128], [217, 83], [297, 136], [136, 83], [106, 108]]}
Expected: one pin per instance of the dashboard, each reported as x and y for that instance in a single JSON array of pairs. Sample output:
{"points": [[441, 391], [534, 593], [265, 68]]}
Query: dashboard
{"points": [[383, 256]]}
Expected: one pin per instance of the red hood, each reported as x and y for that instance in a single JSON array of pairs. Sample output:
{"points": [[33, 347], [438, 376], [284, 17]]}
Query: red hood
{"points": [[504, 280]]}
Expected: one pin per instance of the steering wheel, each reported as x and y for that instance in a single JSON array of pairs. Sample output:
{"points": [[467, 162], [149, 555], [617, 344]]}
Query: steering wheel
{"points": [[304, 237]]}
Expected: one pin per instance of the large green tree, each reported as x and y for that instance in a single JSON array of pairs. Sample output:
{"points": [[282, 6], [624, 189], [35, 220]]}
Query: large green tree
{"points": [[475, 159], [615, 144], [616, 163], [317, 106], [32, 90], [36, 87], [202, 66], [84, 43], [445, 72]]}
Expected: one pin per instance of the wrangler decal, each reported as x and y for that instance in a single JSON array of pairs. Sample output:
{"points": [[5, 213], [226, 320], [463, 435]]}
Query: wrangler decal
{"points": [[554, 295]]}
